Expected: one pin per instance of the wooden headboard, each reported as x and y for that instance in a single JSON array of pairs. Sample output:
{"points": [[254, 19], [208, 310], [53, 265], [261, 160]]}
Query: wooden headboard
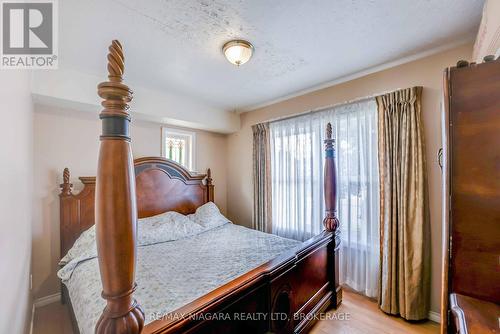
{"points": [[161, 185]]}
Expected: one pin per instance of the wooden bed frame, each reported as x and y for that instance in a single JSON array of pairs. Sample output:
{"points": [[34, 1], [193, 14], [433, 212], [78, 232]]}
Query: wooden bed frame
{"points": [[287, 293]]}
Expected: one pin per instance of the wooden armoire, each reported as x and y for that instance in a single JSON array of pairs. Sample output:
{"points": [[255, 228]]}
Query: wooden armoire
{"points": [[471, 197]]}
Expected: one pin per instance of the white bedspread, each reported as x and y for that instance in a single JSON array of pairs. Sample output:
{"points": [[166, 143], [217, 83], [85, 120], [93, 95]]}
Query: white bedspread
{"points": [[174, 273]]}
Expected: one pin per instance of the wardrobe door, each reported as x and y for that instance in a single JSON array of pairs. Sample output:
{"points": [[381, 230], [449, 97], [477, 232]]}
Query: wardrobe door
{"points": [[474, 102]]}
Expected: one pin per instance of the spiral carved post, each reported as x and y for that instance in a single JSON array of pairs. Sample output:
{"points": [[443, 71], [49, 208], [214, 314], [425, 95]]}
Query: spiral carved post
{"points": [[115, 205], [66, 186], [331, 221]]}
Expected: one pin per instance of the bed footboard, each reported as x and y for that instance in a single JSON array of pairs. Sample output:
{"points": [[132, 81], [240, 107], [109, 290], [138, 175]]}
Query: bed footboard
{"points": [[285, 295]]}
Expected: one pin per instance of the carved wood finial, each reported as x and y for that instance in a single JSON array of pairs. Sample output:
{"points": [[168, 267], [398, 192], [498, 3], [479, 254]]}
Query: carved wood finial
{"points": [[66, 175], [331, 221], [116, 95], [115, 206], [116, 62], [329, 131], [66, 186]]}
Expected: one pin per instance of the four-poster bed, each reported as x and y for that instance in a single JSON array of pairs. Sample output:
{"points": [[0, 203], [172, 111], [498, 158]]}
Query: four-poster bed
{"points": [[286, 291]]}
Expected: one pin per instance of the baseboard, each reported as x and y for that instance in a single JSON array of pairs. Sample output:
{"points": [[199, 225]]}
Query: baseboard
{"points": [[434, 316], [39, 302]]}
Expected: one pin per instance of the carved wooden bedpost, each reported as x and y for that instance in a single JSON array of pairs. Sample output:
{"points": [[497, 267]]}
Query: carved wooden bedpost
{"points": [[66, 193], [210, 186], [115, 205], [331, 221]]}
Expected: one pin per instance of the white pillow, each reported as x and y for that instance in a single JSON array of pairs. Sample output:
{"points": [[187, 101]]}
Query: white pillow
{"points": [[209, 216], [167, 226]]}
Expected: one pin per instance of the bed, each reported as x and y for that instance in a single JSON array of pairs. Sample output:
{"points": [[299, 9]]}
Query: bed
{"points": [[222, 278]]}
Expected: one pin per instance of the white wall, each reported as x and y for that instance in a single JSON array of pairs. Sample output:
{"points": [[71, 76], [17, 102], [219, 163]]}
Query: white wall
{"points": [[16, 171], [68, 138]]}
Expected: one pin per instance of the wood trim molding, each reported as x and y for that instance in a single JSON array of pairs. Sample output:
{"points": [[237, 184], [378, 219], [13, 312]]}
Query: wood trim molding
{"points": [[174, 169]]}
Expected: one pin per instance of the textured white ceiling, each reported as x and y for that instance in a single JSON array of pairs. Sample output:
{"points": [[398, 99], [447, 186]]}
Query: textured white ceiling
{"points": [[175, 45]]}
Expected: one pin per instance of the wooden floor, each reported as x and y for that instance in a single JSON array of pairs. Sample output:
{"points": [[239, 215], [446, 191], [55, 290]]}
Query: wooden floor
{"points": [[361, 316], [356, 315], [52, 319]]}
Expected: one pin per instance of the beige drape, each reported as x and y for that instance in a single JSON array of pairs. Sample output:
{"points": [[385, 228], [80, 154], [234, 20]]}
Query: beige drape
{"points": [[261, 178], [404, 217]]}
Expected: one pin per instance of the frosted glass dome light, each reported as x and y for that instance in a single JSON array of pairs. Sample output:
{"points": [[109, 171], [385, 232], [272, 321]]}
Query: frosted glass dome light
{"points": [[238, 52]]}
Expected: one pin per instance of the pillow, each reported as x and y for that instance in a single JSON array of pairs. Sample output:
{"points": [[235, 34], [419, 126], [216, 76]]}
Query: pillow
{"points": [[209, 216], [167, 226], [85, 244]]}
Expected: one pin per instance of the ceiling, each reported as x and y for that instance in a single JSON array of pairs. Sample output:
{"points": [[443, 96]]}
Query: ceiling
{"points": [[174, 46]]}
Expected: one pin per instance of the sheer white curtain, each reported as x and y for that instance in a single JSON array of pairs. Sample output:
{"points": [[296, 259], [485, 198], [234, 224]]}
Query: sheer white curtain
{"points": [[296, 177], [297, 158]]}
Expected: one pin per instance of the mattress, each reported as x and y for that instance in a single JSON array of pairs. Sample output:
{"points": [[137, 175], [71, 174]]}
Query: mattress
{"points": [[173, 273]]}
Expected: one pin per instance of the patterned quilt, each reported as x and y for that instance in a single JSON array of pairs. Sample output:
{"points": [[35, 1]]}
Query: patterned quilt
{"points": [[173, 273]]}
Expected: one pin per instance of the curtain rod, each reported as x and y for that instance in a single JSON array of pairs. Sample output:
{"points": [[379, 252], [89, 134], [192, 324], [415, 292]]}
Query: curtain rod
{"points": [[324, 108]]}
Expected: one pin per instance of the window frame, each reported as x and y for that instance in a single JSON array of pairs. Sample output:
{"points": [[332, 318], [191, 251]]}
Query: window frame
{"points": [[191, 143]]}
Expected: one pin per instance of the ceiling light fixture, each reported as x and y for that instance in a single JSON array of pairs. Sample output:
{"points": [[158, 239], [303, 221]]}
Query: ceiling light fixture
{"points": [[238, 52]]}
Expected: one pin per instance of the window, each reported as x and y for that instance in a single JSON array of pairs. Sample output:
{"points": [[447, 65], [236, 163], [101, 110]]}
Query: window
{"points": [[178, 145], [297, 157]]}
